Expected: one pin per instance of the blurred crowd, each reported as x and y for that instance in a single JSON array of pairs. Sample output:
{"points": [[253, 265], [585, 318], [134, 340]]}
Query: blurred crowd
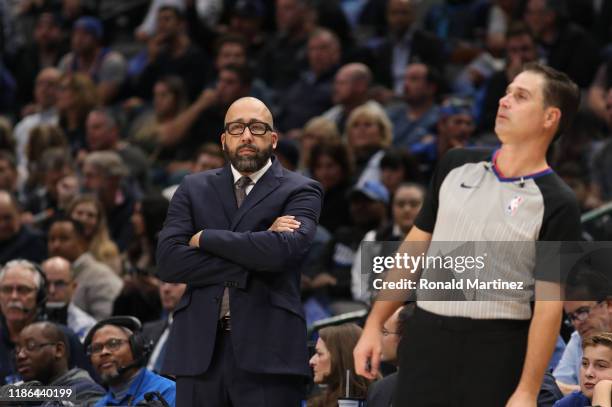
{"points": [[106, 105]]}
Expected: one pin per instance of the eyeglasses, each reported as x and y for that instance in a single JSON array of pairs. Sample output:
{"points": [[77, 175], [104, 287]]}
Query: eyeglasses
{"points": [[582, 313], [31, 346], [112, 345], [21, 289], [386, 332], [256, 128]]}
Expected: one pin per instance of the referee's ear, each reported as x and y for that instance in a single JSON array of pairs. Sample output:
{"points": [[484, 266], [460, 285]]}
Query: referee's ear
{"points": [[552, 118]]}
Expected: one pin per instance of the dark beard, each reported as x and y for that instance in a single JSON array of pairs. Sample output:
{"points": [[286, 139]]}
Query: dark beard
{"points": [[251, 164]]}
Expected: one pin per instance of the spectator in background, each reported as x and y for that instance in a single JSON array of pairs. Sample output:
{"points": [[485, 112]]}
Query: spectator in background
{"points": [[45, 97], [332, 359], [521, 48], [157, 331], [17, 240], [312, 94], [317, 130], [169, 100], [103, 175], [598, 93], [60, 289], [42, 353], [106, 68], [396, 167], [380, 393], [171, 52], [602, 161], [119, 358], [405, 206], [8, 173], [103, 134], [415, 118], [245, 19], [77, 95], [331, 165], [88, 211], [406, 44], [22, 301], [284, 55], [33, 58], [351, 89], [368, 133], [565, 45], [97, 285], [454, 129]]}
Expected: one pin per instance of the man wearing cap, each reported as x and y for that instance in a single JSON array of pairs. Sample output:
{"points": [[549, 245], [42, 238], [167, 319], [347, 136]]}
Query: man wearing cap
{"points": [[105, 67], [332, 281]]}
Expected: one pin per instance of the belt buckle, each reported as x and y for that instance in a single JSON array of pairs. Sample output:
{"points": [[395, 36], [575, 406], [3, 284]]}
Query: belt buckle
{"points": [[225, 323]]}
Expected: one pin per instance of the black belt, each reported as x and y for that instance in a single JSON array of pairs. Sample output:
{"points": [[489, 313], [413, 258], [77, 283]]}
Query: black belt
{"points": [[225, 323]]}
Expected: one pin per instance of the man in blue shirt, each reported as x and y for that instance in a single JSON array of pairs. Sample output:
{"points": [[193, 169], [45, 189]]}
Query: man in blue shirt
{"points": [[118, 354]]}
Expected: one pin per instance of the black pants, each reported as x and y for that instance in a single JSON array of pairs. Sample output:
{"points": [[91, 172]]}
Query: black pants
{"points": [[225, 385], [459, 362]]}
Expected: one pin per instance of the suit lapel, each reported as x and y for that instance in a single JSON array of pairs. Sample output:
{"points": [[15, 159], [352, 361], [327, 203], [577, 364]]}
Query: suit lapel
{"points": [[265, 186], [224, 185]]}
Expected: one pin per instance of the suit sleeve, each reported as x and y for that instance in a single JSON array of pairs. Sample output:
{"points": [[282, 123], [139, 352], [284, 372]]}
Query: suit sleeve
{"points": [[270, 251], [180, 263]]}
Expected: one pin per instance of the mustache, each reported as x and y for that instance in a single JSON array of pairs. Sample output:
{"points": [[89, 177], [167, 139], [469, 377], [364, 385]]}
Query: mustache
{"points": [[250, 146], [16, 305]]}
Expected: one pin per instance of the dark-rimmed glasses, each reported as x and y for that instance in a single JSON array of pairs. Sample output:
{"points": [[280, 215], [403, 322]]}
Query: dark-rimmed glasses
{"points": [[582, 313], [31, 346], [112, 345], [256, 128]]}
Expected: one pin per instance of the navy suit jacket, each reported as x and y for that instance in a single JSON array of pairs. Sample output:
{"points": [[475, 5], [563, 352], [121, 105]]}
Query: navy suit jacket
{"points": [[261, 269]]}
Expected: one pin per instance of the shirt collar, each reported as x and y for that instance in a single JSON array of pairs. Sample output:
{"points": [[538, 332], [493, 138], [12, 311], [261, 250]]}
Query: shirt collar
{"points": [[254, 176], [135, 384]]}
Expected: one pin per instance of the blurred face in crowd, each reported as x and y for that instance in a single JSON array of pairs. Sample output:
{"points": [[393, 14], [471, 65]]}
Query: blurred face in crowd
{"points": [[8, 176], [400, 15], [138, 220], [538, 18], [169, 25], [522, 112], [83, 42], [456, 129], [247, 26], [320, 362], [366, 212], [589, 317], [101, 134], [65, 242], [521, 48], [364, 132], [60, 285], [207, 161], [248, 152], [596, 365], [67, 188], [164, 101], [417, 90], [229, 87], [231, 53], [290, 14], [170, 294], [349, 87], [87, 214], [110, 351], [37, 363], [407, 203], [9, 217], [94, 180], [47, 32], [18, 294], [328, 172], [46, 87], [323, 53], [609, 108], [52, 178], [66, 97], [391, 338]]}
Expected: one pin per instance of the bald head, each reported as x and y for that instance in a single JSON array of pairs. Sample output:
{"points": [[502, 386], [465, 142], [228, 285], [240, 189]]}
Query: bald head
{"points": [[9, 216], [60, 283], [45, 90], [247, 105], [351, 85], [50, 360]]}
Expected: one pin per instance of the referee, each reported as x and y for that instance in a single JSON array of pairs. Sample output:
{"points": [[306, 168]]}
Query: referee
{"points": [[488, 353]]}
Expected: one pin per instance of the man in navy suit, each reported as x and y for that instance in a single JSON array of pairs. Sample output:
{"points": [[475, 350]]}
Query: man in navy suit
{"points": [[236, 236]]}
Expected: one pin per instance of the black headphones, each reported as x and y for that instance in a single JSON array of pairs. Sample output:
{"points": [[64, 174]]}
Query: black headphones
{"points": [[139, 346]]}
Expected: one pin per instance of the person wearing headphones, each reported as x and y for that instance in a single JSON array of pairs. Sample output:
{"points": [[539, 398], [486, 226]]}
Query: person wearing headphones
{"points": [[23, 295], [118, 352]]}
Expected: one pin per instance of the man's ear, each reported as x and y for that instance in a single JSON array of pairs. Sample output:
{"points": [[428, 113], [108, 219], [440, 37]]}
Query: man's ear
{"points": [[274, 140], [222, 141], [552, 118]]}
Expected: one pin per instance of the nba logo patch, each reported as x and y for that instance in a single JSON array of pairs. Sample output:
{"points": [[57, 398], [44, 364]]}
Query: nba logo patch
{"points": [[514, 205]]}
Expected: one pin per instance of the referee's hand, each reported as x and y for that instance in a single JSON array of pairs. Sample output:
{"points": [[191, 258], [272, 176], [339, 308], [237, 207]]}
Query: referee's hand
{"points": [[367, 353]]}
